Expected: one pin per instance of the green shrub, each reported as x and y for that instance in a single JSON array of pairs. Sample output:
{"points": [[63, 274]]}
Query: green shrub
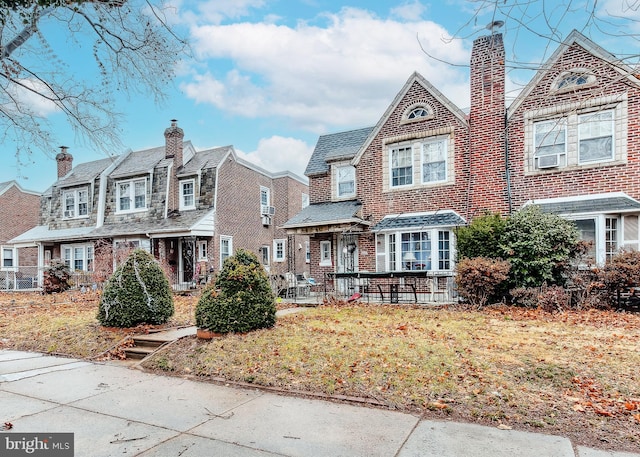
{"points": [[480, 279], [241, 299], [539, 246], [481, 238], [137, 292]]}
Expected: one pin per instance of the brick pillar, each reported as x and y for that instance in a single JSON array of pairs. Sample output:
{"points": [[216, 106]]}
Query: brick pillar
{"points": [[65, 162], [174, 136], [488, 188]]}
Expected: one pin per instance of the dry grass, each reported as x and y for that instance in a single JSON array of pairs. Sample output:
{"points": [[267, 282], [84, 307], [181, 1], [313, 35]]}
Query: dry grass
{"points": [[574, 373]]}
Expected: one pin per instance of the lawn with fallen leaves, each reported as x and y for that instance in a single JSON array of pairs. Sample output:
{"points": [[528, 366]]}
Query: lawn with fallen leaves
{"points": [[575, 374]]}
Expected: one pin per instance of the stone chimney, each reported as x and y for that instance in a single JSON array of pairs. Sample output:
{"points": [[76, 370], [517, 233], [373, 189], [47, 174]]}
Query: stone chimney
{"points": [[65, 162], [173, 137], [487, 125]]}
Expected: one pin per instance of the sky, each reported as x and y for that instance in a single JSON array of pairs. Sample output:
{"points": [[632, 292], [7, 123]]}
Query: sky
{"points": [[270, 76]]}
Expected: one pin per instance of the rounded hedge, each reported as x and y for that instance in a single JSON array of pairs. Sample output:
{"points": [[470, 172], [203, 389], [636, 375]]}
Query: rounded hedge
{"points": [[137, 292], [241, 299]]}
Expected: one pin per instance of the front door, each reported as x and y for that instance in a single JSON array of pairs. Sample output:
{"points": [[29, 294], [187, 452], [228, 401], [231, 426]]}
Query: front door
{"points": [[188, 248], [347, 262]]}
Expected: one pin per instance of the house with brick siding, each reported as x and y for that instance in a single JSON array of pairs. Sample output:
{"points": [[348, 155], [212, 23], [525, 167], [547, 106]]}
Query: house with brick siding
{"points": [[18, 213], [191, 209], [388, 198]]}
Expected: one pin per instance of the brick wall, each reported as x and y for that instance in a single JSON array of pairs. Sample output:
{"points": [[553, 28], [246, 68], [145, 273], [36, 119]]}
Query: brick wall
{"points": [[19, 212]]}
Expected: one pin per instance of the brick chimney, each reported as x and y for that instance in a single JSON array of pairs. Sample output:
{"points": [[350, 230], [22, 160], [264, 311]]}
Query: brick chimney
{"points": [[487, 126], [173, 137], [65, 162]]}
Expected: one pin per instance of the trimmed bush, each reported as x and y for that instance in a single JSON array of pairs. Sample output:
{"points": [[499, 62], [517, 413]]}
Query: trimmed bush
{"points": [[137, 292], [480, 280], [481, 238], [540, 247], [241, 299]]}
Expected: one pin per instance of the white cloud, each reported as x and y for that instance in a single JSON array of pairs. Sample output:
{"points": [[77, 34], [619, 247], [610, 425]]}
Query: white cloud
{"points": [[279, 154], [344, 73], [409, 11], [30, 95]]}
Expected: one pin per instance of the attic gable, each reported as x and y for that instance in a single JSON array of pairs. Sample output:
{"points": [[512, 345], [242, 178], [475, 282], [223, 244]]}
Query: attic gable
{"points": [[428, 108], [575, 38]]}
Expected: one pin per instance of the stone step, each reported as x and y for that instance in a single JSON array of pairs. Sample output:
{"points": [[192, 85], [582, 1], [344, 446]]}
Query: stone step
{"points": [[137, 352], [148, 341]]}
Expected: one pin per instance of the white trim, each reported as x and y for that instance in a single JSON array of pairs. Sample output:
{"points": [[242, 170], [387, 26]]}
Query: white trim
{"points": [[14, 258], [283, 256], [132, 196], [325, 261], [182, 183], [230, 253]]}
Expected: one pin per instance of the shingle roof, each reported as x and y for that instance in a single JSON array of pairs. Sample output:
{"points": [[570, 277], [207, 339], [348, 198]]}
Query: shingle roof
{"points": [[43, 233], [618, 203], [84, 172], [326, 213], [182, 222], [138, 162], [336, 146], [418, 221], [209, 158]]}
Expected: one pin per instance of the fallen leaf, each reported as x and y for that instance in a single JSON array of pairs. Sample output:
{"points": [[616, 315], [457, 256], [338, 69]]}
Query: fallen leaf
{"points": [[504, 427]]}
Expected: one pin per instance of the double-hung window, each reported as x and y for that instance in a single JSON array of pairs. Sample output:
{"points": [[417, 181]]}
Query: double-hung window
{"points": [[550, 143], [187, 194], [595, 136], [8, 258], [434, 161], [401, 166], [76, 203], [226, 248], [132, 195], [346, 181], [78, 257], [325, 253]]}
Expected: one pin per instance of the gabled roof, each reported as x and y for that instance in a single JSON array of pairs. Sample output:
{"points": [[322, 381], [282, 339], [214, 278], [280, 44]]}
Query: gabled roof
{"points": [[336, 146], [84, 173], [5, 186], [138, 162], [615, 202], [578, 38], [419, 221], [415, 78], [326, 214]]}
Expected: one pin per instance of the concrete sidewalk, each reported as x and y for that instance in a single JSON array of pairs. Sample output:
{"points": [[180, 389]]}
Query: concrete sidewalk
{"points": [[114, 411]]}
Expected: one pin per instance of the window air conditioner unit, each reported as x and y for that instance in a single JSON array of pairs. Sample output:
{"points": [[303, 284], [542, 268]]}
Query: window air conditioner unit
{"points": [[68, 213], [267, 210], [550, 161], [266, 220]]}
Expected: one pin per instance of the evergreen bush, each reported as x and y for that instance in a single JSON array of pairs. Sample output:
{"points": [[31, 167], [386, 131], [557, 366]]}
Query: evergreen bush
{"points": [[56, 277], [241, 298], [481, 238], [137, 292]]}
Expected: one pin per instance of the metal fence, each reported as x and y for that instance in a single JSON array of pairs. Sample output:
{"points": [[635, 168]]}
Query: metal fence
{"points": [[409, 287], [23, 278]]}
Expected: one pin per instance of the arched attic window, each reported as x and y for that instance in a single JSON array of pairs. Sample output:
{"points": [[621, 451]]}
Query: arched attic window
{"points": [[573, 80], [419, 111]]}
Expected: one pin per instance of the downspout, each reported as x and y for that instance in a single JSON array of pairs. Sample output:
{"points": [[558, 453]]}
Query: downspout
{"points": [[506, 162], [166, 200]]}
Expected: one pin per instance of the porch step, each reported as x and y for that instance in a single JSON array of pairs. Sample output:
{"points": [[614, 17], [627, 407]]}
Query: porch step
{"points": [[144, 345]]}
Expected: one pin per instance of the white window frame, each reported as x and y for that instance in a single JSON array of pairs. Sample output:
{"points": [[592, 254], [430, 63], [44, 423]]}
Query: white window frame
{"points": [[131, 196], [279, 250], [266, 255], [325, 253], [83, 253], [228, 240], [345, 174], [307, 255], [558, 128], [13, 258], [423, 156], [305, 200], [184, 205], [394, 149], [582, 130], [202, 251], [75, 212], [265, 196]]}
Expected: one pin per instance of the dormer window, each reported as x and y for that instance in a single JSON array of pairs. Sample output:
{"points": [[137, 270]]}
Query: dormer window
{"points": [[187, 194], [131, 196], [573, 80], [75, 203]]}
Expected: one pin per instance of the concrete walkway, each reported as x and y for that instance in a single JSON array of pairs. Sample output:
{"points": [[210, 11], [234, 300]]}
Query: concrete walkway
{"points": [[113, 410]]}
